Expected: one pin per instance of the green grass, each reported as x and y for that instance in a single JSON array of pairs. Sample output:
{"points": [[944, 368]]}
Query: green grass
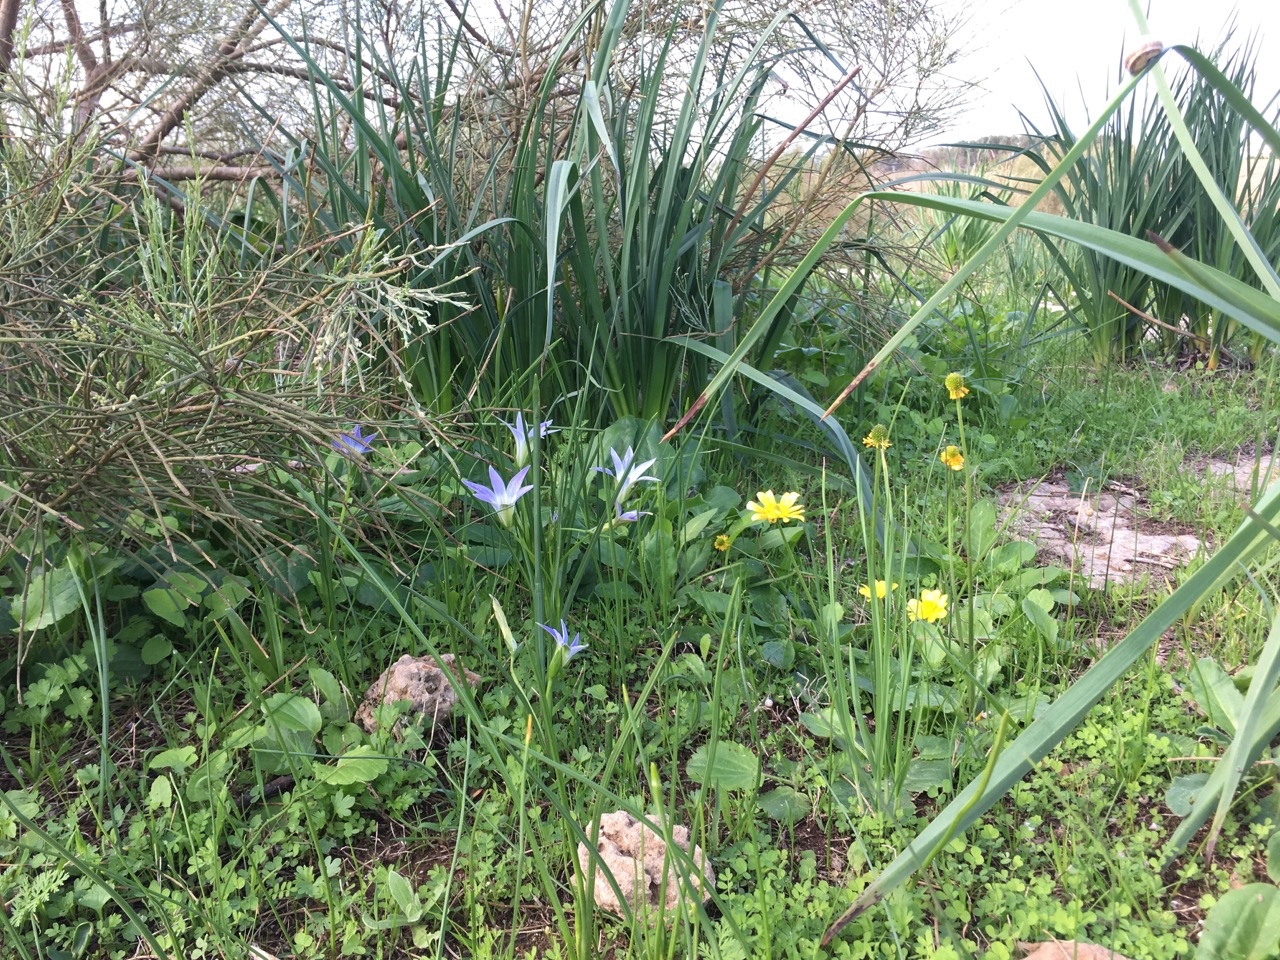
{"points": [[185, 643], [743, 651]]}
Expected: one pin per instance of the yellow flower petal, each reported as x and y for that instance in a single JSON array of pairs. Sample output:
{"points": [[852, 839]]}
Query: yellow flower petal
{"points": [[878, 437], [770, 508], [930, 607], [882, 590], [763, 506], [955, 385]]}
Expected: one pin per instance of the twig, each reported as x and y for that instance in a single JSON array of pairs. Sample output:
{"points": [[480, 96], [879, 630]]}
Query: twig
{"points": [[1202, 340], [221, 173], [786, 144]]}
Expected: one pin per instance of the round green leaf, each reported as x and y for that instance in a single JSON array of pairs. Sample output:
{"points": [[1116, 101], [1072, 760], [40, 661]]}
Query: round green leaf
{"points": [[294, 712], [209, 780], [1045, 625], [226, 597], [785, 804], [778, 653], [1182, 793], [358, 766], [820, 723], [189, 586], [1243, 925], [175, 758], [166, 604], [161, 793], [1042, 599], [924, 776], [734, 767], [49, 597], [95, 897], [155, 650]]}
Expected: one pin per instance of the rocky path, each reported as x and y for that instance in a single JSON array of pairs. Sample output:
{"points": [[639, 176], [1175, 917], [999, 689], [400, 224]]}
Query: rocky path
{"points": [[1106, 534]]}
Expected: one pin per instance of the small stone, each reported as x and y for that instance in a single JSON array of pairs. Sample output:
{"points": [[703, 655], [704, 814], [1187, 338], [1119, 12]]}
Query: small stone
{"points": [[637, 858], [420, 682]]}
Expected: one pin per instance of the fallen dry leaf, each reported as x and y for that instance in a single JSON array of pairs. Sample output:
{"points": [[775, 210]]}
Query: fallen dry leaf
{"points": [[1067, 950]]}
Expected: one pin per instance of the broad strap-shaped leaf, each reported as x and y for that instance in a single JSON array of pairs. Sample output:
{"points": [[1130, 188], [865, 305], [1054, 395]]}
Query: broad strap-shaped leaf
{"points": [[1258, 722], [1232, 94], [984, 253], [839, 438], [1230, 217], [1237, 299]]}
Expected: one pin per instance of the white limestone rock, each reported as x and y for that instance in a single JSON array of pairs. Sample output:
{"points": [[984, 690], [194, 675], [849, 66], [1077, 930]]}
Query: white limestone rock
{"points": [[421, 682], [638, 859]]}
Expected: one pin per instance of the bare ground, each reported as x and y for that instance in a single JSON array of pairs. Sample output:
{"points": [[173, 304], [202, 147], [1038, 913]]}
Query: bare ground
{"points": [[1106, 534]]}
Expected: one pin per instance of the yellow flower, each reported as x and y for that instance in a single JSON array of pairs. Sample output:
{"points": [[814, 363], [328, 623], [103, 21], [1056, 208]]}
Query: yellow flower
{"points": [[956, 389], [953, 458], [773, 509], [878, 437], [723, 543], [931, 607], [882, 588]]}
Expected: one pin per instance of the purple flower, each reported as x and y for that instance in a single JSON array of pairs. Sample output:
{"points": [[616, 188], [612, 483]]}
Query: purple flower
{"points": [[523, 434], [501, 496], [355, 442], [570, 647], [621, 516], [627, 473]]}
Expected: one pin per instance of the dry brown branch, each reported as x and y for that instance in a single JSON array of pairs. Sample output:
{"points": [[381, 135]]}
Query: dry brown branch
{"points": [[58, 48], [8, 24], [1201, 341], [223, 157], [231, 47], [76, 38], [148, 95], [228, 174], [782, 148], [369, 68]]}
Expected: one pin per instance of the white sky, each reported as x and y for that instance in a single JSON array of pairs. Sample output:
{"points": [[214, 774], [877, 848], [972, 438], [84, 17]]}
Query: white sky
{"points": [[1076, 46]]}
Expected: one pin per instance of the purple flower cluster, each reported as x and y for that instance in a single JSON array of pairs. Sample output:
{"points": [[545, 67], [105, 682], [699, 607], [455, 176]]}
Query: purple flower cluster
{"points": [[627, 473]]}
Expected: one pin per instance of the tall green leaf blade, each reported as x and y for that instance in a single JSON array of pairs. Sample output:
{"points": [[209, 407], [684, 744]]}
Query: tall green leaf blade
{"points": [[561, 184], [780, 300], [1237, 299], [1232, 94], [1067, 711], [1246, 241], [840, 438], [1015, 217], [1254, 729]]}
